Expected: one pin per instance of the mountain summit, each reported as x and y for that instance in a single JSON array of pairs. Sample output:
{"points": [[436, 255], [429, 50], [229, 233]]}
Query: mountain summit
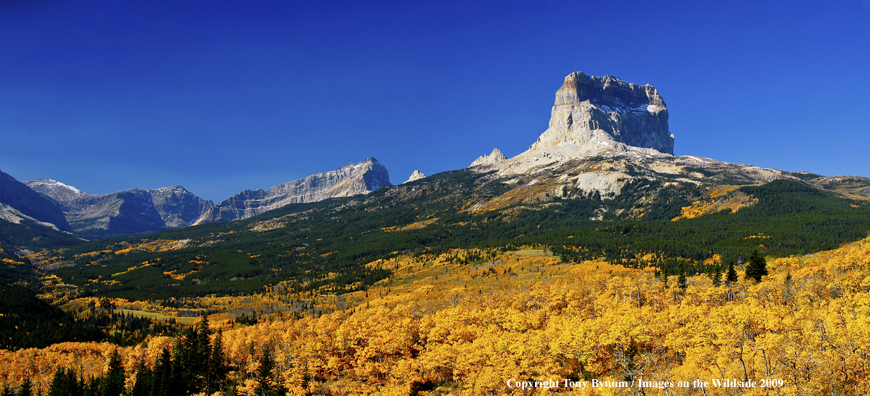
{"points": [[596, 114], [351, 179]]}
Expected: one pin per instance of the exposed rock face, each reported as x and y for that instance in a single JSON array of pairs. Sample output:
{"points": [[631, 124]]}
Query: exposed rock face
{"points": [[19, 202], [493, 158], [595, 114], [55, 190], [606, 134], [121, 213], [126, 212], [177, 206], [351, 179], [417, 175]]}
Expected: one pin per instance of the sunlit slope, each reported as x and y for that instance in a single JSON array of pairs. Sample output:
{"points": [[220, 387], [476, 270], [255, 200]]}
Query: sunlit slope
{"points": [[310, 246], [465, 322]]}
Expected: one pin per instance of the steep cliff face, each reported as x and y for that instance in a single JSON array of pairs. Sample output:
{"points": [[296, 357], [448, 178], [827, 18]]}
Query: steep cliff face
{"points": [[595, 114], [126, 212], [121, 213], [351, 179], [18, 202], [177, 206]]}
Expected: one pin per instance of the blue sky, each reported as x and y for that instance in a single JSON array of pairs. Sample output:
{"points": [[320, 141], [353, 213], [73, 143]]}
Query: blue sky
{"points": [[221, 96]]}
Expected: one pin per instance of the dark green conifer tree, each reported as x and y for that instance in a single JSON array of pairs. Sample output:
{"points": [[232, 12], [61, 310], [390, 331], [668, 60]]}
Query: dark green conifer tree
{"points": [[731, 274], [26, 388], [144, 381], [757, 266], [217, 369], [113, 383], [161, 376], [65, 383], [681, 279]]}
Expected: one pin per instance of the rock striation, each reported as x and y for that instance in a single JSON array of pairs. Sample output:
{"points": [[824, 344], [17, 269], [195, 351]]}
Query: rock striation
{"points": [[127, 212], [417, 175], [18, 202], [493, 158], [351, 179], [177, 206], [595, 114]]}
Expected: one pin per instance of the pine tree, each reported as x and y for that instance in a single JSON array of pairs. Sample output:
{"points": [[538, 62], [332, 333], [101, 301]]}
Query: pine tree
{"points": [[113, 384], [267, 363], [26, 388], [731, 274], [757, 266], [217, 368], [65, 383], [681, 279], [716, 277], [161, 376], [144, 381]]}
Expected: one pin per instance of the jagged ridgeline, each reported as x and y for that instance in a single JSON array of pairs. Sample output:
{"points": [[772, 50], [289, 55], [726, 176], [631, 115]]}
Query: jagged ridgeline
{"points": [[325, 246]]}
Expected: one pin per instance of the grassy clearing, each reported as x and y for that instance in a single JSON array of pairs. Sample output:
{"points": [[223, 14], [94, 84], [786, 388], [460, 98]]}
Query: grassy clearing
{"points": [[185, 320], [534, 253]]}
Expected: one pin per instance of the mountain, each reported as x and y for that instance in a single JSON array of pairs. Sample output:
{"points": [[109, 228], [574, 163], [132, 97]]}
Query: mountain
{"points": [[177, 206], [133, 211], [605, 134], [351, 179], [595, 114], [615, 203], [416, 175], [19, 202], [493, 158]]}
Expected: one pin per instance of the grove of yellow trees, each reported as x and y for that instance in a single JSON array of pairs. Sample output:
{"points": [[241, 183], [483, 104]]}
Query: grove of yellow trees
{"points": [[440, 326]]}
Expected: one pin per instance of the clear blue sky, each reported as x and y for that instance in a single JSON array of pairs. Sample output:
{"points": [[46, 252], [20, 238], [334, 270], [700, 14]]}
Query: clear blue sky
{"points": [[221, 96]]}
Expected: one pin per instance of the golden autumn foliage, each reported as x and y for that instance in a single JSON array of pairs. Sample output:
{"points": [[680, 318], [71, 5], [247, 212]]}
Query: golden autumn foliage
{"points": [[719, 198], [440, 325]]}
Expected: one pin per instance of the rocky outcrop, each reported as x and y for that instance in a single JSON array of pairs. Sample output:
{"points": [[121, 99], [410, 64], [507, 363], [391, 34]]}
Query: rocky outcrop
{"points": [[351, 179], [19, 202], [493, 158], [596, 114], [177, 206], [55, 190], [133, 211], [417, 175], [122, 213]]}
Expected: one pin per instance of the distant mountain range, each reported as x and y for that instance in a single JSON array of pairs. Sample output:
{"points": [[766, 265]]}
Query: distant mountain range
{"points": [[351, 179], [136, 211], [604, 136], [133, 211]]}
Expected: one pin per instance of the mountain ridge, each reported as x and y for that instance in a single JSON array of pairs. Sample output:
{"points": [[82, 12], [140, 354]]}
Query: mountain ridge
{"points": [[350, 179]]}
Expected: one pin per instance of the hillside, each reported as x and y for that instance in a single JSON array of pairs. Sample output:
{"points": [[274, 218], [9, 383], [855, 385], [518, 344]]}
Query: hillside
{"points": [[327, 244], [469, 321]]}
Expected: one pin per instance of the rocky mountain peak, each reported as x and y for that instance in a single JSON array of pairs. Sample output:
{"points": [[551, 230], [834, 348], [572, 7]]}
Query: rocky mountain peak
{"points": [[417, 175], [596, 114], [55, 190], [352, 179], [493, 158], [18, 202]]}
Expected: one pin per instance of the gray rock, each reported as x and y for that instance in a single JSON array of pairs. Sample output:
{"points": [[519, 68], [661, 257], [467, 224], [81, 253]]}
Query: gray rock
{"points": [[351, 179], [593, 114], [493, 158], [133, 211], [416, 175], [18, 201]]}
